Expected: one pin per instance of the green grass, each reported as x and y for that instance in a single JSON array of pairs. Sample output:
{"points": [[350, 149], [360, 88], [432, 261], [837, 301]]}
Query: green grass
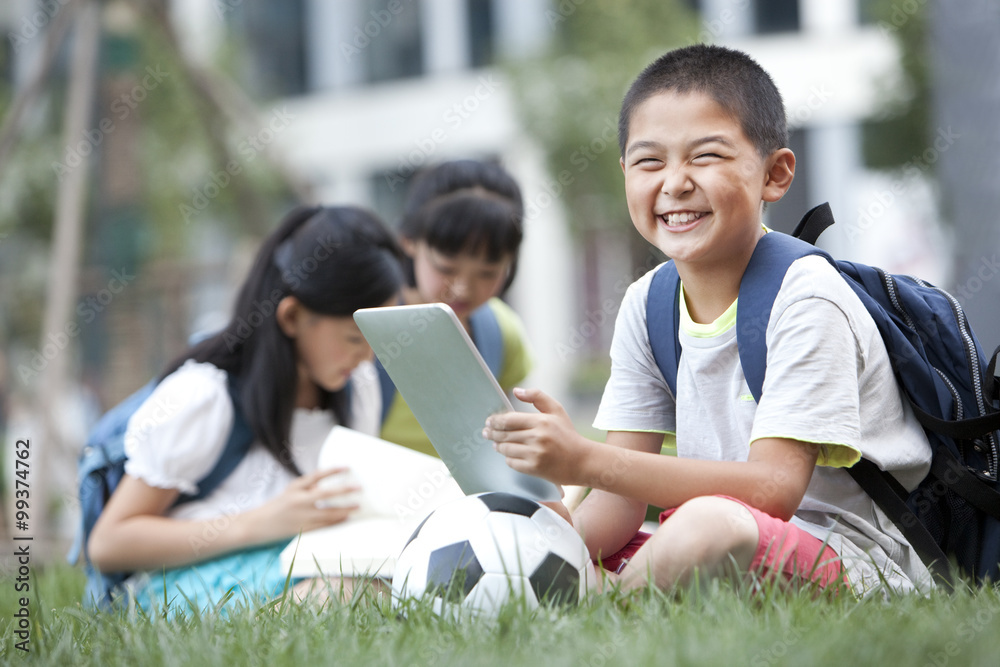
{"points": [[722, 625]]}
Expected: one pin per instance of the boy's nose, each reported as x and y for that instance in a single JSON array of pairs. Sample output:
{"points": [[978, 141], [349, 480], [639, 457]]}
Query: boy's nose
{"points": [[675, 182]]}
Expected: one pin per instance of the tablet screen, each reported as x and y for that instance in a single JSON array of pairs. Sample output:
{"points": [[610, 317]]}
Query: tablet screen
{"points": [[439, 373]]}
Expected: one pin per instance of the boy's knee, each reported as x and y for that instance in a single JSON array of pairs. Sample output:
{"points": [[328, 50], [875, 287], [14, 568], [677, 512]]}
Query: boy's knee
{"points": [[711, 525]]}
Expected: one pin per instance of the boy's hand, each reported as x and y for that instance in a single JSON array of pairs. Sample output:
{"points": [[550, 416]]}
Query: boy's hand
{"points": [[545, 445]]}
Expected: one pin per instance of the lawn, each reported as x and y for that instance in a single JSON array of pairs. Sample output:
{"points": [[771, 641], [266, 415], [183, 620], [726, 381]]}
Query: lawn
{"points": [[721, 625]]}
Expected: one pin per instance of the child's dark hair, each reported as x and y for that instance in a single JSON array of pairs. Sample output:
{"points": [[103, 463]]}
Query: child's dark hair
{"points": [[732, 78], [465, 206], [334, 261]]}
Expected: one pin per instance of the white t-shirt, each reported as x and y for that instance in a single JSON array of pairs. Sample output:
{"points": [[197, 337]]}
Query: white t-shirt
{"points": [[829, 381], [177, 436]]}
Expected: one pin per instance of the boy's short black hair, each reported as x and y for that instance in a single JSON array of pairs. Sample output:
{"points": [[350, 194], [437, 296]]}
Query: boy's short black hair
{"points": [[732, 78]]}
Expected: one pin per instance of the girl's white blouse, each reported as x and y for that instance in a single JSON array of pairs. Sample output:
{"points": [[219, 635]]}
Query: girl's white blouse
{"points": [[175, 438]]}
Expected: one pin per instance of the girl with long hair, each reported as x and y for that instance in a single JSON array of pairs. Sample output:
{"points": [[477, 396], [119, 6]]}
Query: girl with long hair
{"points": [[290, 365]]}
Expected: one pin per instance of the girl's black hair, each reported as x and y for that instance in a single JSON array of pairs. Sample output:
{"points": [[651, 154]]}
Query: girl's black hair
{"points": [[334, 261], [465, 206]]}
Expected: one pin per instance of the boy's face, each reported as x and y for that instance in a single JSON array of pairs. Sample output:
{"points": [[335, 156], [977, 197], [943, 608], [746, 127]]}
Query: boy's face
{"points": [[694, 182]]}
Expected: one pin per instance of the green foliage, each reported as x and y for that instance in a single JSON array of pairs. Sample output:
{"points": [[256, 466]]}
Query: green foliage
{"points": [[27, 210], [569, 97], [713, 624], [901, 129], [197, 166], [29, 183], [176, 152]]}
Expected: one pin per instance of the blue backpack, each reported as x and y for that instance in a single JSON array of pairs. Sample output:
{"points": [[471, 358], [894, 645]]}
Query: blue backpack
{"points": [[488, 339], [955, 511], [102, 465]]}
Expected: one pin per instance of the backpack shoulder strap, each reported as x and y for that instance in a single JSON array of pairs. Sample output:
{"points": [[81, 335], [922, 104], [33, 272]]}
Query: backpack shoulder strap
{"points": [[775, 252], [663, 321], [488, 337], [241, 436], [890, 495]]}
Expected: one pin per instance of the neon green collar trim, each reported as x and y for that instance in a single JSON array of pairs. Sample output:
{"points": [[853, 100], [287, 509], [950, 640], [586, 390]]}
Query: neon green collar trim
{"points": [[721, 325]]}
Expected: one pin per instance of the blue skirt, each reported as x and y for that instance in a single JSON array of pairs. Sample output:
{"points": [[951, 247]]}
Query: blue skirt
{"points": [[245, 578]]}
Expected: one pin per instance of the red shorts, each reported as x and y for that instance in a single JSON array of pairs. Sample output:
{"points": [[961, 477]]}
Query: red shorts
{"points": [[782, 546]]}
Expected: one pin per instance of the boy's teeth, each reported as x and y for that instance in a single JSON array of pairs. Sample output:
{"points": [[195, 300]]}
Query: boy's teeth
{"points": [[682, 218]]}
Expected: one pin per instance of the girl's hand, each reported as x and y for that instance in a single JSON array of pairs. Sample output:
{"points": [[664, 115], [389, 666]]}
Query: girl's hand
{"points": [[544, 444], [301, 507]]}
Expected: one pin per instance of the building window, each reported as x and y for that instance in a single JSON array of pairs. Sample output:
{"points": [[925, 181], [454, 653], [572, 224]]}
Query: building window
{"points": [[396, 52], [776, 16], [274, 32], [481, 28]]}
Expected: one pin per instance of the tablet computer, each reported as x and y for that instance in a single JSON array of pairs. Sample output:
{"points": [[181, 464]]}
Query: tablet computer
{"points": [[440, 374]]}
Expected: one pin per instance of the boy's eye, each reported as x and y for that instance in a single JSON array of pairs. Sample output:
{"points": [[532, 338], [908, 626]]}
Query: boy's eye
{"points": [[707, 155]]}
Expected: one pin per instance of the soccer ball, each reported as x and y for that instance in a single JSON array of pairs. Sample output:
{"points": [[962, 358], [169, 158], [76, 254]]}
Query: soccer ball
{"points": [[474, 554]]}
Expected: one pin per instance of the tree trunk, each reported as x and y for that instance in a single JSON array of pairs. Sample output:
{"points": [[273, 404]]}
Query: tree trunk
{"points": [[59, 325]]}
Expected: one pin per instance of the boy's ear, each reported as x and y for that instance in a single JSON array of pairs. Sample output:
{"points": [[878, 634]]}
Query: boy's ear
{"points": [[288, 314], [780, 172], [621, 161]]}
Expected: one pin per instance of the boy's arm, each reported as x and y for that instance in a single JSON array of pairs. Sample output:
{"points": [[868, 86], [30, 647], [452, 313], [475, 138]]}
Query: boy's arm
{"points": [[773, 479], [607, 521]]}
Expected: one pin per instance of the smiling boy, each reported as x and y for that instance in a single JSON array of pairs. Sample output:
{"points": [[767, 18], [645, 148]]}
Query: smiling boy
{"points": [[756, 487]]}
